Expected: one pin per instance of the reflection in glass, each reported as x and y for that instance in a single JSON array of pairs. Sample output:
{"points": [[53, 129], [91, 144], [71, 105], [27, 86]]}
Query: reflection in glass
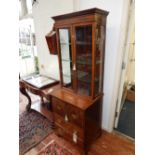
{"points": [[84, 59], [99, 56], [66, 57]]}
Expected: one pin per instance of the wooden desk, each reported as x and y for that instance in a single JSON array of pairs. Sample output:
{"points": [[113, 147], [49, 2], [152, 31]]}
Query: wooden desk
{"points": [[43, 93]]}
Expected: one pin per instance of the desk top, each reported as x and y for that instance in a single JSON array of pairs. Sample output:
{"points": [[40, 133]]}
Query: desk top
{"points": [[39, 91], [39, 81]]}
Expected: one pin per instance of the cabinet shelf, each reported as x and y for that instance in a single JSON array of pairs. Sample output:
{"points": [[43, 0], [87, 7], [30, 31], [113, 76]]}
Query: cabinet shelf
{"points": [[65, 43], [81, 74], [67, 75], [66, 60], [84, 60], [87, 79], [89, 62], [83, 43]]}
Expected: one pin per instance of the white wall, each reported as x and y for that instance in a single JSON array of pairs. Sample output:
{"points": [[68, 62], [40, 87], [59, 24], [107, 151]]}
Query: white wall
{"points": [[113, 55], [42, 13]]}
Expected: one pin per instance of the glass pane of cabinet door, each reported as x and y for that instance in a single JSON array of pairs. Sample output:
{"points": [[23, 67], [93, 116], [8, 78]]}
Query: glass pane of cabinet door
{"points": [[100, 36], [83, 46], [66, 57]]}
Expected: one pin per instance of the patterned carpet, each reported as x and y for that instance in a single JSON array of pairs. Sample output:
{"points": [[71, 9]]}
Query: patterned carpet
{"points": [[33, 127], [54, 149]]}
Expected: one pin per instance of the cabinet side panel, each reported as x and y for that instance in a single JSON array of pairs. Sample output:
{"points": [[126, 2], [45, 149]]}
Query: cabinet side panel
{"points": [[93, 121]]}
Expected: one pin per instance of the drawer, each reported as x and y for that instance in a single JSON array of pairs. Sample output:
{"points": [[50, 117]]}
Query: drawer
{"points": [[70, 136], [67, 126], [58, 119], [58, 107], [68, 112], [75, 115]]}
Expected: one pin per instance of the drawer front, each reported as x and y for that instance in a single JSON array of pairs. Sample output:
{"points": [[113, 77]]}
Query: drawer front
{"points": [[67, 126], [58, 107], [70, 136], [68, 112], [58, 119], [75, 116]]}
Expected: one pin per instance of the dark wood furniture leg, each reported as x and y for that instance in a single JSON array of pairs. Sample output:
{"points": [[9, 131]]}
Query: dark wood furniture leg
{"points": [[24, 92], [42, 100]]}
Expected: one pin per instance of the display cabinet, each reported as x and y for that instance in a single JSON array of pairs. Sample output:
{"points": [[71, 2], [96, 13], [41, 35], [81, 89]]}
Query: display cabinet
{"points": [[77, 105], [80, 45]]}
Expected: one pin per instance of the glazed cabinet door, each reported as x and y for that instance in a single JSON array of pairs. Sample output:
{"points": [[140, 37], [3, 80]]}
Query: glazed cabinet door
{"points": [[83, 58], [99, 58], [65, 56]]}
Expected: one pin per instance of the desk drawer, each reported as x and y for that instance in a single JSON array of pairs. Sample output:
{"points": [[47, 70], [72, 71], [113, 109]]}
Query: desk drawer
{"points": [[67, 126], [58, 107], [68, 112], [75, 115], [70, 136]]}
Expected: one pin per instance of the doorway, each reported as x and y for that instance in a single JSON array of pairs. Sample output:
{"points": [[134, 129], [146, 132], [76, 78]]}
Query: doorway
{"points": [[125, 110]]}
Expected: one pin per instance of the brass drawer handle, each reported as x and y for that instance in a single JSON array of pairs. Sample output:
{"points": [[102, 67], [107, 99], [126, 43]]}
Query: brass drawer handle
{"points": [[75, 136], [66, 118], [74, 68]]}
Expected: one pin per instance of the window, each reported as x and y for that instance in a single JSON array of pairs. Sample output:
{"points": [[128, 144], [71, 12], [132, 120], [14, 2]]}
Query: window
{"points": [[27, 48]]}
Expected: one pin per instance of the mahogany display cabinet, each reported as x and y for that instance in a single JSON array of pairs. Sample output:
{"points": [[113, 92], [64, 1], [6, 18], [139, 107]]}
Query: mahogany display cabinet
{"points": [[77, 104]]}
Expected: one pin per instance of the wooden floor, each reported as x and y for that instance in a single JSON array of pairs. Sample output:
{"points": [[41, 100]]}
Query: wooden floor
{"points": [[107, 144], [110, 144]]}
